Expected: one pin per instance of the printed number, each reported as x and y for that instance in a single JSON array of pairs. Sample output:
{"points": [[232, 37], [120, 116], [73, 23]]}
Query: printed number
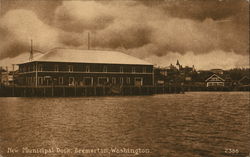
{"points": [[231, 151]]}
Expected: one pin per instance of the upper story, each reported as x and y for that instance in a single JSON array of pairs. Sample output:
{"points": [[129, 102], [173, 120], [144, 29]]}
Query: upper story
{"points": [[86, 61]]}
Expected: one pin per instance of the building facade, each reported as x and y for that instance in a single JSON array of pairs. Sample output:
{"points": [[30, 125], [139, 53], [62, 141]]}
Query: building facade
{"points": [[70, 67], [7, 78], [214, 81], [245, 80]]}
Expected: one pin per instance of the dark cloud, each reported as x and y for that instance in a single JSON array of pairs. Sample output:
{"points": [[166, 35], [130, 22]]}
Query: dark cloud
{"points": [[144, 28], [69, 23], [13, 48], [3, 33], [200, 9], [80, 16], [18, 27], [71, 39], [133, 36]]}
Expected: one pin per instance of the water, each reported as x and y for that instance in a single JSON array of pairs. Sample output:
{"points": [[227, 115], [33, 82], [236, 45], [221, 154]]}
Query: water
{"points": [[174, 125]]}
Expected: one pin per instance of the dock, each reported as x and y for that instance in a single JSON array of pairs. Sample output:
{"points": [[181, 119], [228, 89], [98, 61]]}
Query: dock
{"points": [[67, 91]]}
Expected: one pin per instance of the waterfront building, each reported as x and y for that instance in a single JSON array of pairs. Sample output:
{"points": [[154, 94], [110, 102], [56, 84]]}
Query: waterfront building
{"points": [[6, 77], [215, 80], [245, 80], [74, 67], [160, 75]]}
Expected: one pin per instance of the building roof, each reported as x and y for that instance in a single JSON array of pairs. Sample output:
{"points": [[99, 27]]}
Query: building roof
{"points": [[244, 78], [214, 75], [89, 56]]}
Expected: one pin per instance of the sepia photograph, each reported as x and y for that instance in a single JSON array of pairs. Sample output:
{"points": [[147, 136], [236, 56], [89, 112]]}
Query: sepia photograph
{"points": [[124, 78]]}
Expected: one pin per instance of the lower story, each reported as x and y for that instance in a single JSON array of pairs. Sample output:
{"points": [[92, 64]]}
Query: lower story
{"points": [[68, 79]]}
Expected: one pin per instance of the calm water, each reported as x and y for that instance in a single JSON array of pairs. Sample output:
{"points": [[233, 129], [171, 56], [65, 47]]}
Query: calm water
{"points": [[174, 125]]}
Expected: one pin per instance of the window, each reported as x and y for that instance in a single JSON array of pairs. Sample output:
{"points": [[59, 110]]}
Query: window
{"points": [[40, 80], [121, 69], [113, 80], [121, 80], [71, 81], [70, 68], [25, 69], [40, 67], [127, 80], [30, 80], [88, 81], [34, 67], [220, 84], [87, 69], [138, 81], [105, 69], [60, 81], [102, 81], [47, 80], [133, 69], [27, 80], [144, 70], [209, 84], [56, 68], [34, 81]]}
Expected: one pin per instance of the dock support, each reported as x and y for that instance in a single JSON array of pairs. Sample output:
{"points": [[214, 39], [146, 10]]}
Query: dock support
{"points": [[64, 91], [52, 91], [75, 90]]}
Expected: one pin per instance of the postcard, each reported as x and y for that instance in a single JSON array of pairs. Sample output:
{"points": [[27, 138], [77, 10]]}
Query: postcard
{"points": [[124, 78]]}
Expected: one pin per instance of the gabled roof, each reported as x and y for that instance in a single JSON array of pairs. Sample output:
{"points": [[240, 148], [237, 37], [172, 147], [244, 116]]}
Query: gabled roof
{"points": [[243, 78], [89, 56], [215, 76]]}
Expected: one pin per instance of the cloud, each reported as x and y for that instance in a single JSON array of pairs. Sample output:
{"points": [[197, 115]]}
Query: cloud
{"points": [[19, 27], [143, 28], [200, 9], [182, 35], [211, 60], [44, 9], [78, 16], [134, 25], [112, 25]]}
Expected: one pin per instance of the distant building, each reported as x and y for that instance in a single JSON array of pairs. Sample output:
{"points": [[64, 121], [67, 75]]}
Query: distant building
{"points": [[72, 67], [179, 66], [160, 75], [188, 78], [228, 80], [217, 71], [215, 80], [7, 78], [2, 71], [244, 81]]}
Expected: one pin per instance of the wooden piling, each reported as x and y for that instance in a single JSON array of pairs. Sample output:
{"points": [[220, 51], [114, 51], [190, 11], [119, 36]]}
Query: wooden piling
{"points": [[64, 91]]}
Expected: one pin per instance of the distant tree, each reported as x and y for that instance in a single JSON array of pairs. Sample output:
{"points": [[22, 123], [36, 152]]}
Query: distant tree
{"points": [[238, 73]]}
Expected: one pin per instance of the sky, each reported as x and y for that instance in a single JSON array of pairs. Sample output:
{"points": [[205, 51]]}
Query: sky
{"points": [[205, 33]]}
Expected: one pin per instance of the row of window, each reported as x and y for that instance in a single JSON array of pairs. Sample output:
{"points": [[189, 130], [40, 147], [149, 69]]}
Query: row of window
{"points": [[70, 68], [215, 84], [85, 81]]}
